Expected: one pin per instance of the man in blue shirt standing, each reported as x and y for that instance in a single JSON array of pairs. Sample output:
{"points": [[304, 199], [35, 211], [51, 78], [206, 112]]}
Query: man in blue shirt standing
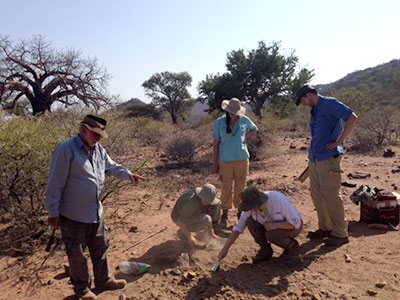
{"points": [[77, 172], [324, 156]]}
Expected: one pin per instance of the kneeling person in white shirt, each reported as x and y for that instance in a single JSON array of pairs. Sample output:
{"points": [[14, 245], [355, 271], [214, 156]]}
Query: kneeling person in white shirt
{"points": [[271, 218]]}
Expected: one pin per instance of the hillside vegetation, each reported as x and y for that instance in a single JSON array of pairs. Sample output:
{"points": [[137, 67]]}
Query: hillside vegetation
{"points": [[381, 82]]}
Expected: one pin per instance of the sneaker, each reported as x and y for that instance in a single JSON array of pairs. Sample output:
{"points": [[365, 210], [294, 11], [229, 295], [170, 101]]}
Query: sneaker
{"points": [[114, 284], [336, 241], [224, 221], [318, 234], [262, 255], [89, 295]]}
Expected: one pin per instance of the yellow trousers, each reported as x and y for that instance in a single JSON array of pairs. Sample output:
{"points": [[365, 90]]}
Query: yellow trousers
{"points": [[233, 176]]}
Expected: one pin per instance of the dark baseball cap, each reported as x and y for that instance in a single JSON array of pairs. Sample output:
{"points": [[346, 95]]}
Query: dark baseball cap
{"points": [[304, 90]]}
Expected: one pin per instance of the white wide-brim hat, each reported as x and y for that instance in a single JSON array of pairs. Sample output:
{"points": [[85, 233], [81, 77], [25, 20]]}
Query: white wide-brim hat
{"points": [[233, 106]]}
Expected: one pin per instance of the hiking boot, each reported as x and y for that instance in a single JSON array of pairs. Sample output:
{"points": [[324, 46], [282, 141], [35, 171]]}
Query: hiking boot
{"points": [[89, 295], [114, 284], [318, 234], [262, 255], [291, 250], [336, 241], [224, 219], [221, 232]]}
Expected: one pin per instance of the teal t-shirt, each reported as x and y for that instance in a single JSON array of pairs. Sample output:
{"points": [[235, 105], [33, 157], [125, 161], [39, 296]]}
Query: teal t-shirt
{"points": [[232, 146]]}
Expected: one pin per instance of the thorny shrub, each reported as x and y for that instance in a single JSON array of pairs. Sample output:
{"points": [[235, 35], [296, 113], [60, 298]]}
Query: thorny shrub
{"points": [[181, 148], [381, 127], [26, 144]]}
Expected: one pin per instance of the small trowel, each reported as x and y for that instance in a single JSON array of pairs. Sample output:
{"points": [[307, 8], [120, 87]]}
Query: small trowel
{"points": [[216, 266]]}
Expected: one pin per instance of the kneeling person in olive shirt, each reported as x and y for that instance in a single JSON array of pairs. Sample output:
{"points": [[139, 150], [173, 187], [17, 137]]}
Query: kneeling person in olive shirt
{"points": [[198, 210]]}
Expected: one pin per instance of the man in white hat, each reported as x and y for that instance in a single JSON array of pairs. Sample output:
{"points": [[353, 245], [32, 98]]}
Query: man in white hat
{"points": [[198, 210], [73, 201]]}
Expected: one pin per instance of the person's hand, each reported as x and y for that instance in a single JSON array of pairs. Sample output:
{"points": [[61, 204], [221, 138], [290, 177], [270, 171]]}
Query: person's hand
{"points": [[192, 242], [216, 168], [270, 226], [329, 147], [135, 178], [53, 222]]}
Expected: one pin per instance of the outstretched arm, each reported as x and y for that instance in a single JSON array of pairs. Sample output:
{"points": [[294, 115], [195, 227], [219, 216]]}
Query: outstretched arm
{"points": [[231, 239]]}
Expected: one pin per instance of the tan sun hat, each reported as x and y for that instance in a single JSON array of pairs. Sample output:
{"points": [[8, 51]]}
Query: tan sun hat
{"points": [[233, 106], [207, 193], [95, 124]]}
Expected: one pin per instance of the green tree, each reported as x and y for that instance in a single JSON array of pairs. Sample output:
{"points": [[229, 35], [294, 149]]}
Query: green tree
{"points": [[216, 88], [360, 101], [35, 71], [260, 77], [148, 110], [169, 91]]}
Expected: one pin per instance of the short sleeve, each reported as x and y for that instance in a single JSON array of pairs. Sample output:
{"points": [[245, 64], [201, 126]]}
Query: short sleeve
{"points": [[339, 110], [216, 134]]}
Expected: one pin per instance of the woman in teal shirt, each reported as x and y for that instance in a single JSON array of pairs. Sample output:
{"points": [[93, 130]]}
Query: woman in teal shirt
{"points": [[231, 156]]}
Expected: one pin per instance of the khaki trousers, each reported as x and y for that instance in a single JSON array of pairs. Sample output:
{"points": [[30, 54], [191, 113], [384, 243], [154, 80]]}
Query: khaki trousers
{"points": [[325, 180], [234, 172]]}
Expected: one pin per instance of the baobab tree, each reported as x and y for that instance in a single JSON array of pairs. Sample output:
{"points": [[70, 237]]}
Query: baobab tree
{"points": [[34, 70]]}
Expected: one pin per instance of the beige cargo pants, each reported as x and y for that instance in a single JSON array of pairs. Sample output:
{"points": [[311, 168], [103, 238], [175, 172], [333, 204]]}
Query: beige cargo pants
{"points": [[325, 180], [233, 175]]}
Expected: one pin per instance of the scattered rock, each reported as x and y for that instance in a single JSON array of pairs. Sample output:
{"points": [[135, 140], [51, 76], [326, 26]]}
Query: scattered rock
{"points": [[133, 229], [303, 148], [190, 275], [349, 184], [176, 272], [292, 146], [380, 284], [347, 258], [389, 153], [372, 293], [122, 297], [358, 175], [50, 282], [245, 259]]}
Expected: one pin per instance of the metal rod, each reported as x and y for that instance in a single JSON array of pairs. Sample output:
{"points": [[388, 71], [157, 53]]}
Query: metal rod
{"points": [[147, 237], [50, 242]]}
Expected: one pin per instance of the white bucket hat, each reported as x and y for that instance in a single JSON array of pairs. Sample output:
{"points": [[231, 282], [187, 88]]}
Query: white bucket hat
{"points": [[233, 106]]}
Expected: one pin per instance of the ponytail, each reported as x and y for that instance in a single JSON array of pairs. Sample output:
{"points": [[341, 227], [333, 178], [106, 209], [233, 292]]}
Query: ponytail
{"points": [[228, 123]]}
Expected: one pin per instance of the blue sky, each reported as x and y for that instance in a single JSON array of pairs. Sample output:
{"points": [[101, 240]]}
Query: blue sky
{"points": [[135, 39]]}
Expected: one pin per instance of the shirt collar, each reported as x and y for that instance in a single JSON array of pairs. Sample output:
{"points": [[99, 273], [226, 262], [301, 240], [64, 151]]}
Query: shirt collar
{"points": [[80, 144]]}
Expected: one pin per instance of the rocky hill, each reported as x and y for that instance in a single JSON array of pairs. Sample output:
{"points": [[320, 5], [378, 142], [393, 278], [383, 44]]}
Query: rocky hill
{"points": [[382, 82]]}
